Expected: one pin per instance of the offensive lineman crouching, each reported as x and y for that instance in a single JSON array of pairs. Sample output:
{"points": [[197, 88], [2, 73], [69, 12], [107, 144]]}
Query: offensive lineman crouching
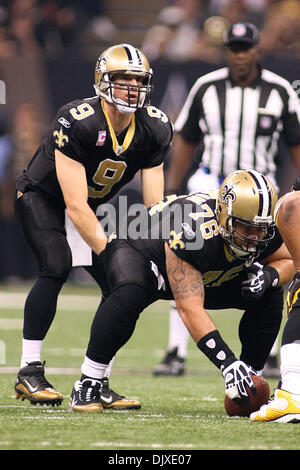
{"points": [[241, 262]]}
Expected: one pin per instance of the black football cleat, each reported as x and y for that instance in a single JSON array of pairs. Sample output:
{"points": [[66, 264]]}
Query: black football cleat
{"points": [[114, 401], [85, 397], [32, 385], [171, 365]]}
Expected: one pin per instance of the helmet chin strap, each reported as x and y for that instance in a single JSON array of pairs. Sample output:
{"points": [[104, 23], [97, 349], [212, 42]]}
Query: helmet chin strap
{"points": [[119, 104], [235, 251], [241, 254], [122, 107]]}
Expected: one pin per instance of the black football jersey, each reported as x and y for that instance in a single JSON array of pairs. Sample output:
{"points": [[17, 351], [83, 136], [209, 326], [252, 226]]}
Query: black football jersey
{"points": [[189, 225], [81, 131]]}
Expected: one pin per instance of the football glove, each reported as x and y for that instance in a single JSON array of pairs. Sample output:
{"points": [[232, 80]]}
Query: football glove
{"points": [[259, 279], [237, 375], [293, 292]]}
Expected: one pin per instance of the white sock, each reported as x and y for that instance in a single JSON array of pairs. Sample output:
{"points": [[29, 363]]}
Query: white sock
{"points": [[93, 369], [178, 335], [31, 351], [274, 349], [290, 367], [108, 368]]}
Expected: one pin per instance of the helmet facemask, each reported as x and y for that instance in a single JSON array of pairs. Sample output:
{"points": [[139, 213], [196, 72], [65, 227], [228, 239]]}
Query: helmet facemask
{"points": [[244, 246], [245, 211], [138, 96]]}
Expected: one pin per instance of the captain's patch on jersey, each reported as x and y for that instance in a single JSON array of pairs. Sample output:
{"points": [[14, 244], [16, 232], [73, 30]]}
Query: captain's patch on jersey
{"points": [[101, 138]]}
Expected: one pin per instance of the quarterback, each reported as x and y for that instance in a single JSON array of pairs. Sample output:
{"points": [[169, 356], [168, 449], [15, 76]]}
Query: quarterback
{"points": [[225, 252], [94, 147]]}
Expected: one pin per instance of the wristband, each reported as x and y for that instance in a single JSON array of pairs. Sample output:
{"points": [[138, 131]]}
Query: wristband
{"points": [[271, 276], [217, 351]]}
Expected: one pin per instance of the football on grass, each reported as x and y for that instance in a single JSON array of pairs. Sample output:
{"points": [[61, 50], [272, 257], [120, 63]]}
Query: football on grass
{"points": [[257, 399]]}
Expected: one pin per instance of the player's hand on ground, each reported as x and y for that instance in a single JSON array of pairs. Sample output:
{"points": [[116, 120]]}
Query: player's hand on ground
{"points": [[237, 376]]}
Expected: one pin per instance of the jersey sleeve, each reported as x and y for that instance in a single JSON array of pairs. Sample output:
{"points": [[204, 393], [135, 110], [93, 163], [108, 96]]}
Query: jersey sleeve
{"points": [[66, 135], [162, 130]]}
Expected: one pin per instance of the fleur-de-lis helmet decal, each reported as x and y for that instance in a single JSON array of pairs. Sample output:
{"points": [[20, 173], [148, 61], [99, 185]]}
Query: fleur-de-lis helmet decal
{"points": [[246, 197]]}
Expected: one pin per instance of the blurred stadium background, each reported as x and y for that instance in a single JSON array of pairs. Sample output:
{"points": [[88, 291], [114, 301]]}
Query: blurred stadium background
{"points": [[48, 49]]}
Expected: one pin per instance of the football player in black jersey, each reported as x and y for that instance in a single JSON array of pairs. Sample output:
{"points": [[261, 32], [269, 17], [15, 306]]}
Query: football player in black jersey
{"points": [[94, 147], [212, 250], [285, 405]]}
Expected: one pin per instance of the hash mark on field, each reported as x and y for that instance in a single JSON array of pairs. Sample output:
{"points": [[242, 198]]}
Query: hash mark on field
{"points": [[65, 302], [155, 445], [11, 324]]}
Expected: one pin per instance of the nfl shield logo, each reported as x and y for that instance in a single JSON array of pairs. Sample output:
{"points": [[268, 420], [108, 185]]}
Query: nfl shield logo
{"points": [[265, 122], [239, 30], [101, 138]]}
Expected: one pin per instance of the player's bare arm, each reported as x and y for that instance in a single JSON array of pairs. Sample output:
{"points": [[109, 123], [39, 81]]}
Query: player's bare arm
{"points": [[188, 290], [287, 219], [281, 260], [152, 185], [72, 179]]}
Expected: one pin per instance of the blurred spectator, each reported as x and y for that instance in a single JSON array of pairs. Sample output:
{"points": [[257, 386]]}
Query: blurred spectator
{"points": [[27, 134], [281, 30], [279, 21], [178, 35], [5, 162], [36, 26], [236, 11], [64, 23], [5, 148], [17, 149], [22, 18], [185, 30]]}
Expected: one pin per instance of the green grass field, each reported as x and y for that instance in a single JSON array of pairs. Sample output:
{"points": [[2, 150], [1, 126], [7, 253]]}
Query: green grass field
{"points": [[179, 413]]}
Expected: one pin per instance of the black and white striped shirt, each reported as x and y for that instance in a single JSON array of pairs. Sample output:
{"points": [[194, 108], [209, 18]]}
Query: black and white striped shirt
{"points": [[240, 126]]}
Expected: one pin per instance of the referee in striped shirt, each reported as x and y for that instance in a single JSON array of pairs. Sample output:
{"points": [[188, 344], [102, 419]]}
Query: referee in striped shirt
{"points": [[236, 116]]}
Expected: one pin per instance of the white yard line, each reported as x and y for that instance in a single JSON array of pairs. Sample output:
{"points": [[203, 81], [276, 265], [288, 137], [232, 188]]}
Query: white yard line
{"points": [[49, 370], [65, 302]]}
